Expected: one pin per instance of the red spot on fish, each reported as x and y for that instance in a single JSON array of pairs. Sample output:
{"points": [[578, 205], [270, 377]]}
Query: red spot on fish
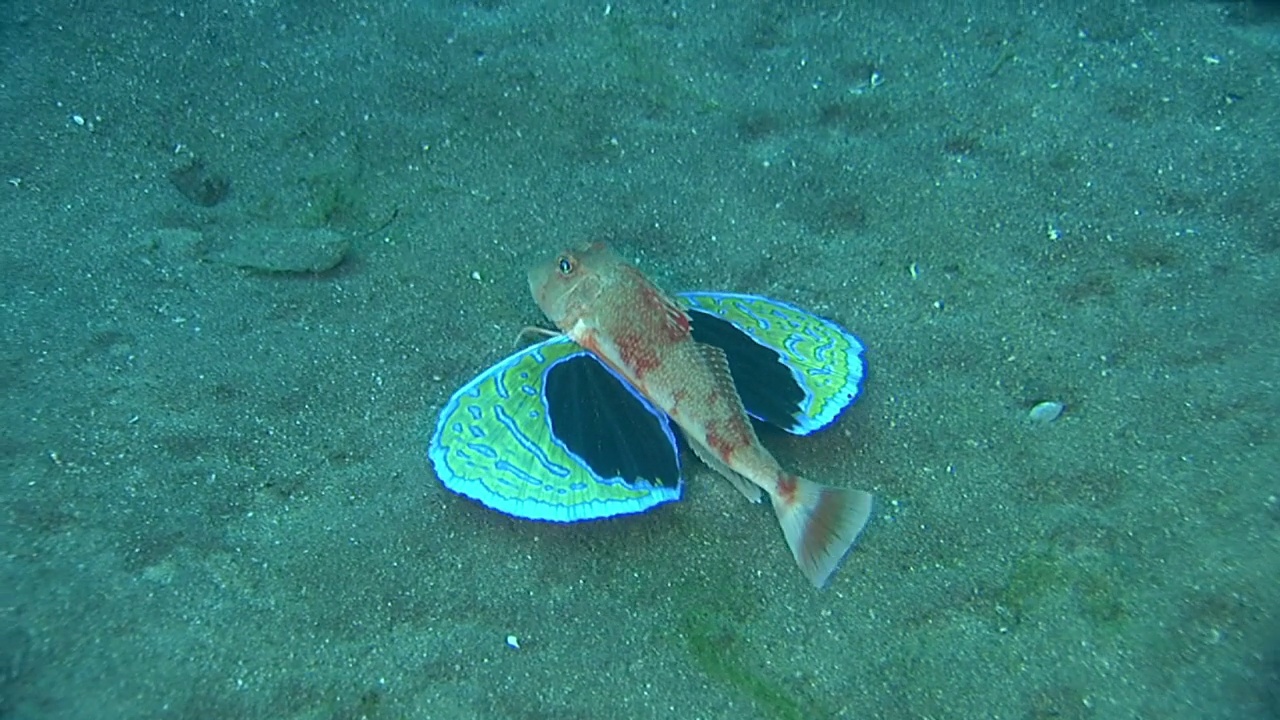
{"points": [[590, 341], [674, 323], [786, 488], [726, 438], [637, 354], [677, 399], [717, 442]]}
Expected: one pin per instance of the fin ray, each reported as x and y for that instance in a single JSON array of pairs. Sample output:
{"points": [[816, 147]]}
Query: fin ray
{"points": [[749, 490], [550, 433], [821, 523]]}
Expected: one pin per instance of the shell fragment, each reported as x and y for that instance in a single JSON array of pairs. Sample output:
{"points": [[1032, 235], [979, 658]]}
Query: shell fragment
{"points": [[1046, 412]]}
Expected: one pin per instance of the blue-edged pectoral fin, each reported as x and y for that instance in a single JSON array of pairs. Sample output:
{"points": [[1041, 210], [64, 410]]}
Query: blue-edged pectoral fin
{"points": [[550, 433], [793, 369]]}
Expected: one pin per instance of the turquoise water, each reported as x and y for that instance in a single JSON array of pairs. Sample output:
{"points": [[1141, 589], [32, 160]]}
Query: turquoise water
{"points": [[253, 247]]}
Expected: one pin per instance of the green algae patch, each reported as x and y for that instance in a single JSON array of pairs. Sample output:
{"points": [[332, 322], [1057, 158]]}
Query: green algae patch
{"points": [[714, 630], [1044, 576], [1101, 599], [1037, 575]]}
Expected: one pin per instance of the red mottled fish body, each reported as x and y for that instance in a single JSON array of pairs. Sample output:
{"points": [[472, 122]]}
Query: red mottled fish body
{"points": [[608, 307]]}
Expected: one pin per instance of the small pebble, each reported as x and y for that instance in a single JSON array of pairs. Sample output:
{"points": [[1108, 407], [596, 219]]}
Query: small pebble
{"points": [[1046, 412]]}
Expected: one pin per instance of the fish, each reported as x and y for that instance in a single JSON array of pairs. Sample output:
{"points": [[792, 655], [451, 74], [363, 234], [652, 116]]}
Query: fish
{"points": [[553, 433], [609, 308]]}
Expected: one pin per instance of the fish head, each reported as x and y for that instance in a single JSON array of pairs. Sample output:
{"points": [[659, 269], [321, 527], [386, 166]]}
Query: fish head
{"points": [[570, 284]]}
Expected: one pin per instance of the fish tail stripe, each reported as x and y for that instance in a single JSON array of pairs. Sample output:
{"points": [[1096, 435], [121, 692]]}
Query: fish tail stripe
{"points": [[820, 523]]}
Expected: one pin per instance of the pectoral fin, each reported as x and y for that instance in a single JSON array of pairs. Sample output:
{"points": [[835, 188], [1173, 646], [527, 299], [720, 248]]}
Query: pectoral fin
{"points": [[793, 369]]}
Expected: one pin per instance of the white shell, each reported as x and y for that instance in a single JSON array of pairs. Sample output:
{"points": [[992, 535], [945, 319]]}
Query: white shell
{"points": [[1046, 412]]}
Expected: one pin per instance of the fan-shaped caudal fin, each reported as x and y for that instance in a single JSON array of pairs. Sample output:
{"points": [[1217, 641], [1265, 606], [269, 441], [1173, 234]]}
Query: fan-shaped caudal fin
{"points": [[821, 523]]}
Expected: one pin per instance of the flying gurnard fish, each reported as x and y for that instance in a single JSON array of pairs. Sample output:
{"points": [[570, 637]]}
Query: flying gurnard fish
{"points": [[579, 426]]}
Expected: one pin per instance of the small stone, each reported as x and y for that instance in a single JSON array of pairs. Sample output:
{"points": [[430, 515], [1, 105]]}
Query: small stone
{"points": [[1046, 412]]}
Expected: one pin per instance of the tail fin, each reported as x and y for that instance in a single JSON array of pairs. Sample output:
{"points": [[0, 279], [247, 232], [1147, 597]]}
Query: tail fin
{"points": [[821, 523]]}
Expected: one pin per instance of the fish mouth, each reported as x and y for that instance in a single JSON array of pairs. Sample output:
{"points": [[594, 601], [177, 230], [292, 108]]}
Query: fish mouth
{"points": [[538, 276], [548, 292]]}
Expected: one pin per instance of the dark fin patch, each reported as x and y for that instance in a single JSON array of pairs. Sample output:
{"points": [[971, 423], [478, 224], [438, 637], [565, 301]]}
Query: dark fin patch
{"points": [[768, 390], [602, 421]]}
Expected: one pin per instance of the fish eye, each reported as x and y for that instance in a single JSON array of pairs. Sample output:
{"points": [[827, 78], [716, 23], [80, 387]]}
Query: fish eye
{"points": [[565, 265]]}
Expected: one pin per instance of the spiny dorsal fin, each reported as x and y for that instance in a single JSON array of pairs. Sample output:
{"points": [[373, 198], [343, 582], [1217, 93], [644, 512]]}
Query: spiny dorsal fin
{"points": [[677, 317], [718, 362]]}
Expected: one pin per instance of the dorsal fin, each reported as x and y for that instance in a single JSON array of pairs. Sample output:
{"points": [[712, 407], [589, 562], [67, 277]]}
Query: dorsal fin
{"points": [[677, 316], [674, 317], [719, 364]]}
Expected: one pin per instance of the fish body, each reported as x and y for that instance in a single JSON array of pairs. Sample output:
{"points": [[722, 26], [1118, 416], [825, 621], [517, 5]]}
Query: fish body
{"points": [[608, 307]]}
